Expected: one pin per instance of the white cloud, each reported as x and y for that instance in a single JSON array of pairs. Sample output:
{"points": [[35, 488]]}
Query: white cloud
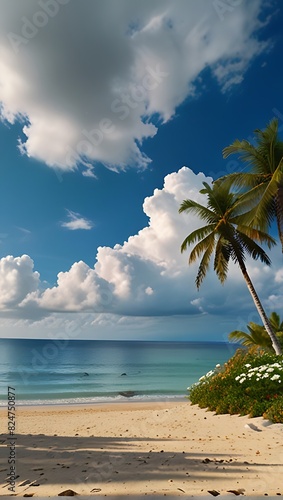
{"points": [[76, 222], [78, 289], [148, 276], [17, 279], [279, 276], [87, 83]]}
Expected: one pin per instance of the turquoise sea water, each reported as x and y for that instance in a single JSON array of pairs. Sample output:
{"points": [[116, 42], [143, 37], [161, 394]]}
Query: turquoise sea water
{"points": [[83, 371]]}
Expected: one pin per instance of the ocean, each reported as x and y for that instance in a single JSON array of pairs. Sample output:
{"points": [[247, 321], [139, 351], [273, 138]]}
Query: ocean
{"points": [[91, 371]]}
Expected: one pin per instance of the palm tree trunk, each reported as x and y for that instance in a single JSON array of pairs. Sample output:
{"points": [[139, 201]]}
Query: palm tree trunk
{"points": [[275, 344], [279, 212]]}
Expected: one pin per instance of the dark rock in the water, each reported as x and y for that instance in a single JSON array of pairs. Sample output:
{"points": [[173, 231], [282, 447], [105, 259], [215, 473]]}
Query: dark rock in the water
{"points": [[213, 492], [123, 374], [86, 374], [67, 493], [127, 394]]}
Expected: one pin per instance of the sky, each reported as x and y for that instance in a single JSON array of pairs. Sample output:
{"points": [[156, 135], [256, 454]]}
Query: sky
{"points": [[112, 112]]}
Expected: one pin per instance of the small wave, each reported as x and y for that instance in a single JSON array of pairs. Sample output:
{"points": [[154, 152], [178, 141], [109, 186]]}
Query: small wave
{"points": [[98, 400]]}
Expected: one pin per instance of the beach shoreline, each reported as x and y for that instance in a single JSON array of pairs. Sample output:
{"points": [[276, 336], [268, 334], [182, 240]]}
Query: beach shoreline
{"points": [[108, 401], [147, 448]]}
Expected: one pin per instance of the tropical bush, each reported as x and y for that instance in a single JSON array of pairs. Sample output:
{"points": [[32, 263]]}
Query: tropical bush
{"points": [[250, 383]]}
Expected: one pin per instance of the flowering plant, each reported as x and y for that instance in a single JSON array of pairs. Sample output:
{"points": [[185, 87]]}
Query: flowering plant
{"points": [[249, 383], [270, 372]]}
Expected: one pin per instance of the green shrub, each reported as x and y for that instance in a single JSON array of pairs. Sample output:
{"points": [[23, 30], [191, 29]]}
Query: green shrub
{"points": [[250, 383], [275, 410]]}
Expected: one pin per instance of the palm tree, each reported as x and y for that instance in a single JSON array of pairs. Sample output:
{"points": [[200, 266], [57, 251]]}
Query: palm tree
{"points": [[264, 182], [258, 336], [223, 235]]}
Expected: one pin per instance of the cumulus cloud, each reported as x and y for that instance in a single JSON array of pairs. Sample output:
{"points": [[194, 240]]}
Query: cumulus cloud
{"points": [[86, 82], [17, 280], [148, 276], [76, 221], [78, 289]]}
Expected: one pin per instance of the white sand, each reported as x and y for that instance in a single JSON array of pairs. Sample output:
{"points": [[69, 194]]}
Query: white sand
{"points": [[141, 448]]}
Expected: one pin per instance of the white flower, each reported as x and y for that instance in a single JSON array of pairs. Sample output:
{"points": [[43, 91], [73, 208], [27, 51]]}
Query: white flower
{"points": [[275, 377], [248, 365], [237, 378], [270, 370], [277, 365], [242, 380]]}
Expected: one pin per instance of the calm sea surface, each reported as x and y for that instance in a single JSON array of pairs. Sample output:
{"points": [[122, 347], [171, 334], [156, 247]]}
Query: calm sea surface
{"points": [[83, 371]]}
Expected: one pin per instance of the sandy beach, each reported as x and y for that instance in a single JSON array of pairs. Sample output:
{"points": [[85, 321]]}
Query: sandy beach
{"points": [[141, 449]]}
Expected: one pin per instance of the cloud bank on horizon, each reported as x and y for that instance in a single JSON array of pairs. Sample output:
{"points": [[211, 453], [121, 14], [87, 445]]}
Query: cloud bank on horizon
{"points": [[146, 276], [97, 93]]}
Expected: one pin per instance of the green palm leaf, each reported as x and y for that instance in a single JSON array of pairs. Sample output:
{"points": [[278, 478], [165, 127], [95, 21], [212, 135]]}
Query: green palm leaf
{"points": [[196, 235], [201, 247], [204, 263], [221, 260], [203, 212]]}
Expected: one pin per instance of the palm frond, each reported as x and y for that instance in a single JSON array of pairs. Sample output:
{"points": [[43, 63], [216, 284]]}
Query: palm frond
{"points": [[237, 250], [253, 249], [201, 211], [220, 198], [256, 234], [196, 235], [248, 154], [263, 213], [258, 335], [242, 180], [267, 144], [204, 264], [238, 335], [201, 247], [221, 259], [276, 322]]}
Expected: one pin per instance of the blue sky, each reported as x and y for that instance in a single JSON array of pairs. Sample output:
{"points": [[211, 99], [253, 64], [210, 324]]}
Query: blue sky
{"points": [[101, 108]]}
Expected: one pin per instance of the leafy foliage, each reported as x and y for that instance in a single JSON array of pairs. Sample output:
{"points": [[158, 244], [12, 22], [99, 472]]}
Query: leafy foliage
{"points": [[221, 234], [258, 336], [225, 235], [263, 184], [250, 383]]}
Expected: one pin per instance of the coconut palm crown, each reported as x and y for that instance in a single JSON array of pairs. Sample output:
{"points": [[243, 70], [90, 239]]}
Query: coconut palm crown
{"points": [[264, 181], [227, 239]]}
